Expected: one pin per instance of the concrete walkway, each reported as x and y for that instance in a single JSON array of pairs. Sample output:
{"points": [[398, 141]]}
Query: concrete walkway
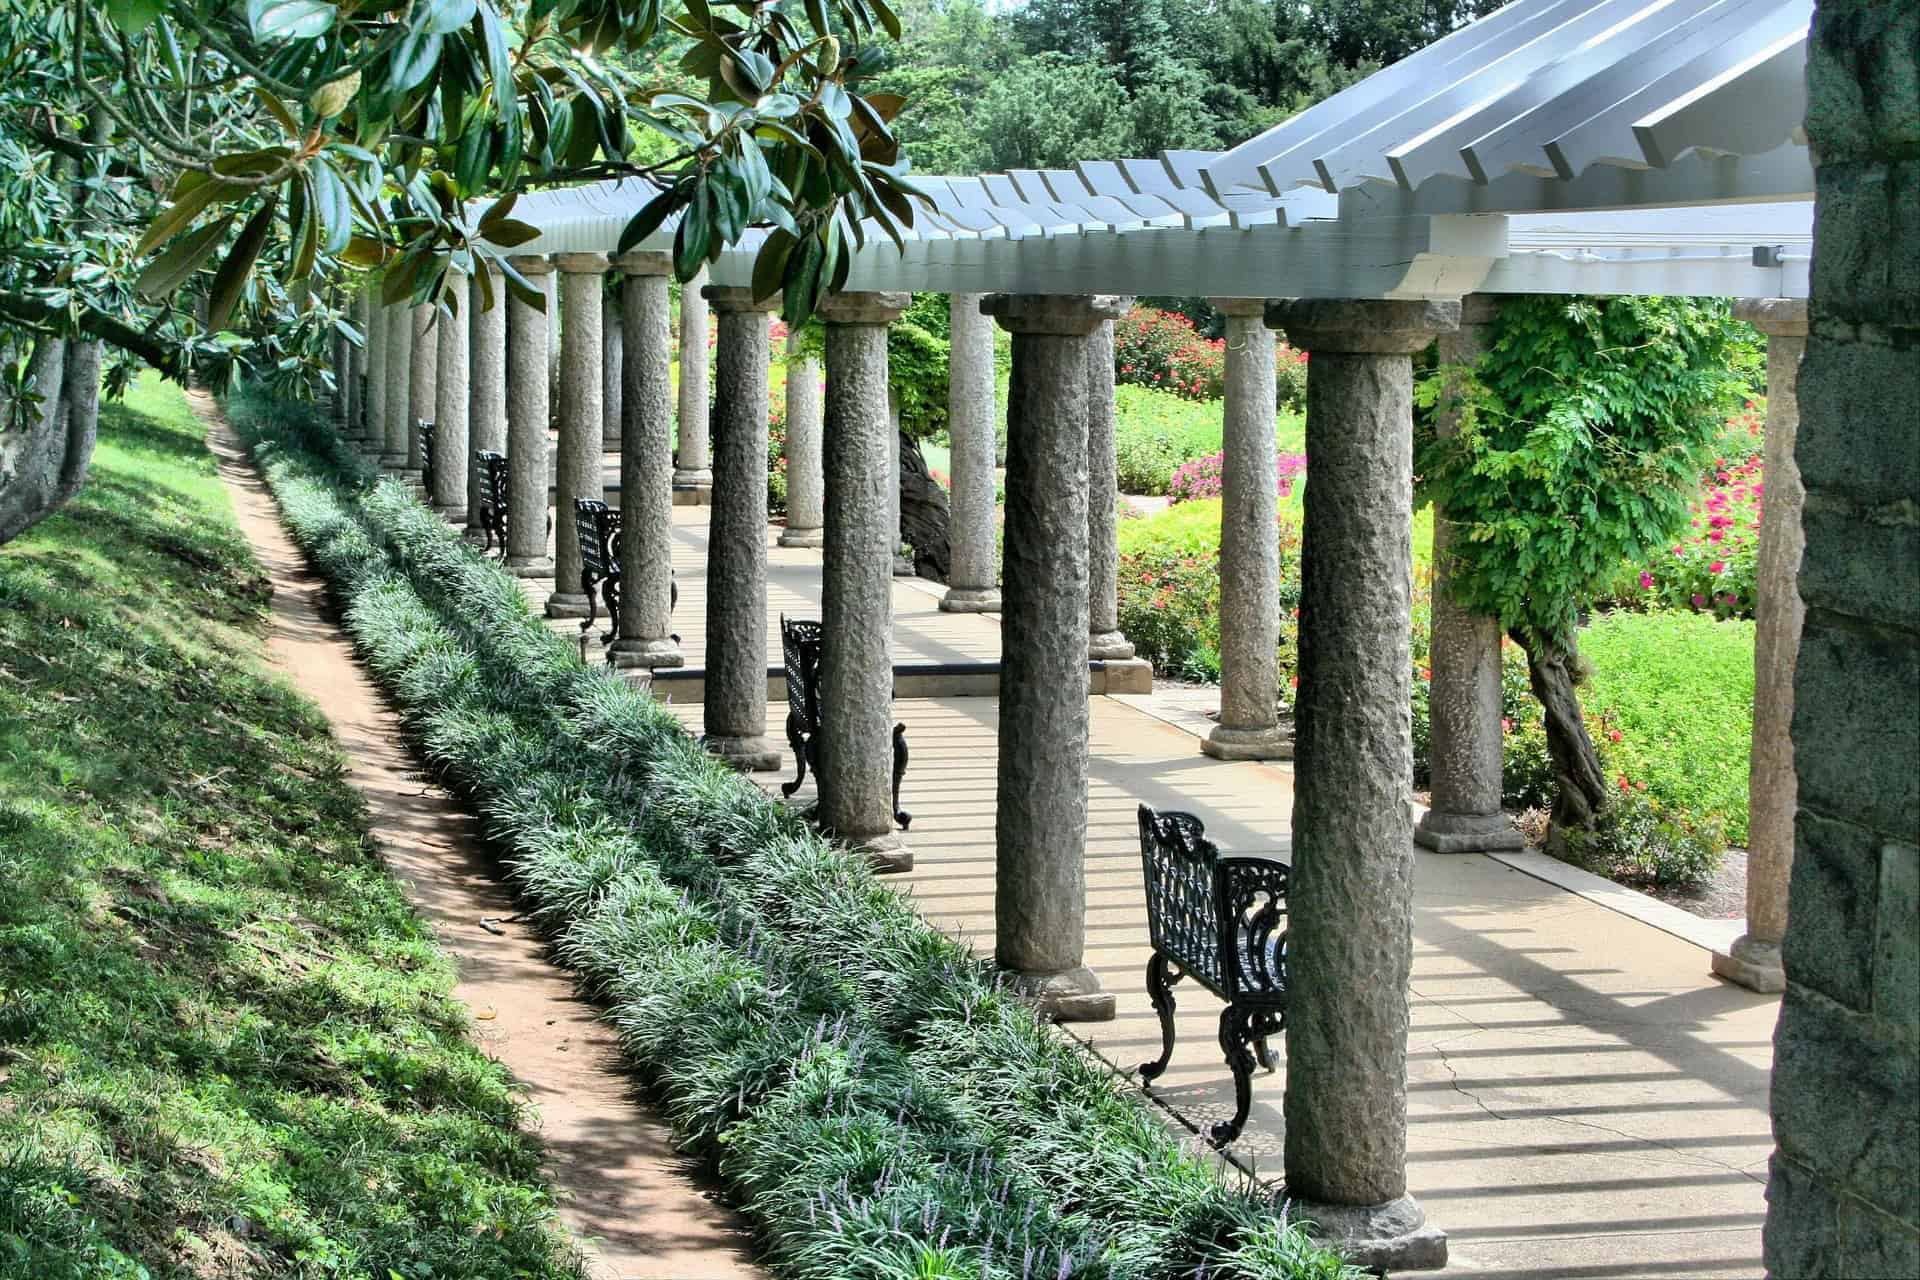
{"points": [[1584, 1098]]}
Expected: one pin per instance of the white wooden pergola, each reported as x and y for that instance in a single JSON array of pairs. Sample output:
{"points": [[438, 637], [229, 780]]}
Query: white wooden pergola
{"points": [[1557, 146]]}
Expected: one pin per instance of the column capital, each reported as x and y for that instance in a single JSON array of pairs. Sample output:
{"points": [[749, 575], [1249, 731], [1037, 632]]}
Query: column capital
{"points": [[1478, 309], [728, 298], [1239, 306], [644, 264], [531, 264], [863, 308], [1068, 315], [1775, 317], [1363, 326], [581, 264]]}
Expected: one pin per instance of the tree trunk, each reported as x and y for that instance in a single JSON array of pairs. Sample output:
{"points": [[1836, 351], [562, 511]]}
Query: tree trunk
{"points": [[44, 462], [1582, 787], [926, 521]]}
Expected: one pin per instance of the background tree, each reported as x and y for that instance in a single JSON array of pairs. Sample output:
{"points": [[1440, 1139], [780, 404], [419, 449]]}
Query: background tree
{"points": [[159, 151], [1584, 430]]}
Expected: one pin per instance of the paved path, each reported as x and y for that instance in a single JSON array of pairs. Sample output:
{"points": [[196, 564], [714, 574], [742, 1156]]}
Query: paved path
{"points": [[639, 1209], [1584, 1099]]}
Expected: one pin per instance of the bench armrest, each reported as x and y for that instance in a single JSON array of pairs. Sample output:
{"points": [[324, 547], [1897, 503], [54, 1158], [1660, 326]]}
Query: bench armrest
{"points": [[1250, 899]]}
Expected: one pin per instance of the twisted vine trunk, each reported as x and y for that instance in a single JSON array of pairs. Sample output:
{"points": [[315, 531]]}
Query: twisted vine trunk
{"points": [[1581, 792]]}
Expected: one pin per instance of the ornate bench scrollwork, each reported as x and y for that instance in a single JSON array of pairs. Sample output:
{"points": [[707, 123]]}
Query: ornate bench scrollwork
{"points": [[493, 498], [426, 429], [801, 640], [597, 526], [1221, 921]]}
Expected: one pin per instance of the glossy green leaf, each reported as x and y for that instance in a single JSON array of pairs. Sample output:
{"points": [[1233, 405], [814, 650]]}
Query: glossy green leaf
{"points": [[231, 279], [275, 20], [183, 257]]}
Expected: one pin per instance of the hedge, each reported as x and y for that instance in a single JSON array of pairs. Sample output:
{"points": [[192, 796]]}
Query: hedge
{"points": [[875, 1104]]}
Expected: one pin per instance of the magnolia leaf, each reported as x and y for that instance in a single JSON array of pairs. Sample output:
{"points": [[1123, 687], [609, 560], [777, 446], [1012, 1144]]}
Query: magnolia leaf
{"points": [[171, 269], [509, 233], [231, 279], [132, 17], [443, 17], [277, 20]]}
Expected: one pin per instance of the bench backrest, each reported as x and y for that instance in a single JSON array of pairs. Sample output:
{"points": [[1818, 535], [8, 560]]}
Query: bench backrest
{"points": [[493, 479], [800, 647], [426, 429], [1221, 919], [595, 524]]}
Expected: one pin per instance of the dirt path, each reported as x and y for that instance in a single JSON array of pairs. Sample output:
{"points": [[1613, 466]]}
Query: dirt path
{"points": [[640, 1209]]}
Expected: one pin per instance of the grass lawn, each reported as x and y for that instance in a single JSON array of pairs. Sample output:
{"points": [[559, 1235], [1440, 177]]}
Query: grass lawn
{"points": [[227, 1047]]}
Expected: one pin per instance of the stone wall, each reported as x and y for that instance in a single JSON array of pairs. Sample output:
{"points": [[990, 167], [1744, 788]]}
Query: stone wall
{"points": [[1844, 1195]]}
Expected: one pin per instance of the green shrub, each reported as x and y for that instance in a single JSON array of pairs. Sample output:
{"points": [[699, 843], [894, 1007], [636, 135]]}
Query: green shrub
{"points": [[1163, 350], [1155, 432], [875, 1102], [1672, 694]]}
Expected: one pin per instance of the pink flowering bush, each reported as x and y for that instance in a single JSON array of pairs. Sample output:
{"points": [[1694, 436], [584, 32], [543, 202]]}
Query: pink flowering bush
{"points": [[1205, 477], [1710, 568], [1162, 349]]}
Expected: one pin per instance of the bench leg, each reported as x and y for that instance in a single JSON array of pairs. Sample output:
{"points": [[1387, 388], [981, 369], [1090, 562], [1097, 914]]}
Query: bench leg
{"points": [[1234, 1035], [796, 738], [1160, 979], [900, 815], [610, 595]]}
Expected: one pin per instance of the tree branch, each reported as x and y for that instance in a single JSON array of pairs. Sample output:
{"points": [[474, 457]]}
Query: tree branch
{"points": [[28, 310]]}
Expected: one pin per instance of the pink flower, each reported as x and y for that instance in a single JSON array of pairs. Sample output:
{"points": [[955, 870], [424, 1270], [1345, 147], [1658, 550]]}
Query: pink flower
{"points": [[1718, 566], [1646, 580], [1699, 601], [1716, 535]]}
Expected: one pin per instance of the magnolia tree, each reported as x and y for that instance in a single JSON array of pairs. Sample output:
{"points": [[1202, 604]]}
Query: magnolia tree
{"points": [[1583, 432], [194, 184]]}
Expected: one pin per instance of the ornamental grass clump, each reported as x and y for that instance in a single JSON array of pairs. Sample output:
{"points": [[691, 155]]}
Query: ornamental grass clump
{"points": [[877, 1105]]}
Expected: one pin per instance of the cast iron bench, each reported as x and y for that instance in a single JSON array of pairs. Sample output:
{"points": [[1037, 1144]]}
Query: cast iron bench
{"points": [[598, 529], [493, 498], [800, 642], [425, 428], [1223, 922]]}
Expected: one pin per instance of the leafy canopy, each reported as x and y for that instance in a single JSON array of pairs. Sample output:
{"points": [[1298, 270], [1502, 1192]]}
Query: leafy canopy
{"points": [[1583, 431]]}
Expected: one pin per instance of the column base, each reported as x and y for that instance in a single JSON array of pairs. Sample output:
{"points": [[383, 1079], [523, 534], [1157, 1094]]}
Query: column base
{"points": [[1109, 646], [1753, 963], [530, 566], [625, 654], [903, 566], [1125, 675], [886, 853], [1467, 833], [568, 604], [970, 600], [792, 537], [754, 754], [1268, 743], [693, 477], [1382, 1238], [1071, 995], [393, 463], [452, 515]]}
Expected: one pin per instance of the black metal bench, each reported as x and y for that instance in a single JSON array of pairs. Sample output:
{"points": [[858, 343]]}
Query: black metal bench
{"points": [[800, 643], [426, 429], [493, 498], [1223, 922], [598, 529]]}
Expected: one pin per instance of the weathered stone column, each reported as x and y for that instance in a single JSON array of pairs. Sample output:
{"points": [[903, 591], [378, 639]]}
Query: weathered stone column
{"points": [[1350, 935], [1249, 727], [487, 385], [1104, 639], [1040, 813], [450, 405], [693, 461], [396, 430], [422, 366], [373, 413], [527, 482], [971, 583], [855, 769], [362, 320], [902, 562], [613, 352], [1753, 960], [736, 685], [805, 486], [1464, 654], [646, 467], [340, 409], [580, 475]]}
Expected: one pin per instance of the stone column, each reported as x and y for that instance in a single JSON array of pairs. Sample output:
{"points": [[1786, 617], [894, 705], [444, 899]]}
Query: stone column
{"points": [[805, 486], [450, 401], [736, 685], [646, 467], [1040, 813], [487, 405], [1249, 727], [902, 562], [361, 316], [1753, 960], [527, 428], [613, 350], [395, 430], [422, 365], [1104, 639], [341, 406], [855, 769], [693, 463], [971, 583], [374, 446], [1464, 654], [1350, 932], [580, 473]]}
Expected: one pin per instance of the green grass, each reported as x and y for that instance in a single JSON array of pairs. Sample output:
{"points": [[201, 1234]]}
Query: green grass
{"points": [[227, 1047], [1678, 687]]}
